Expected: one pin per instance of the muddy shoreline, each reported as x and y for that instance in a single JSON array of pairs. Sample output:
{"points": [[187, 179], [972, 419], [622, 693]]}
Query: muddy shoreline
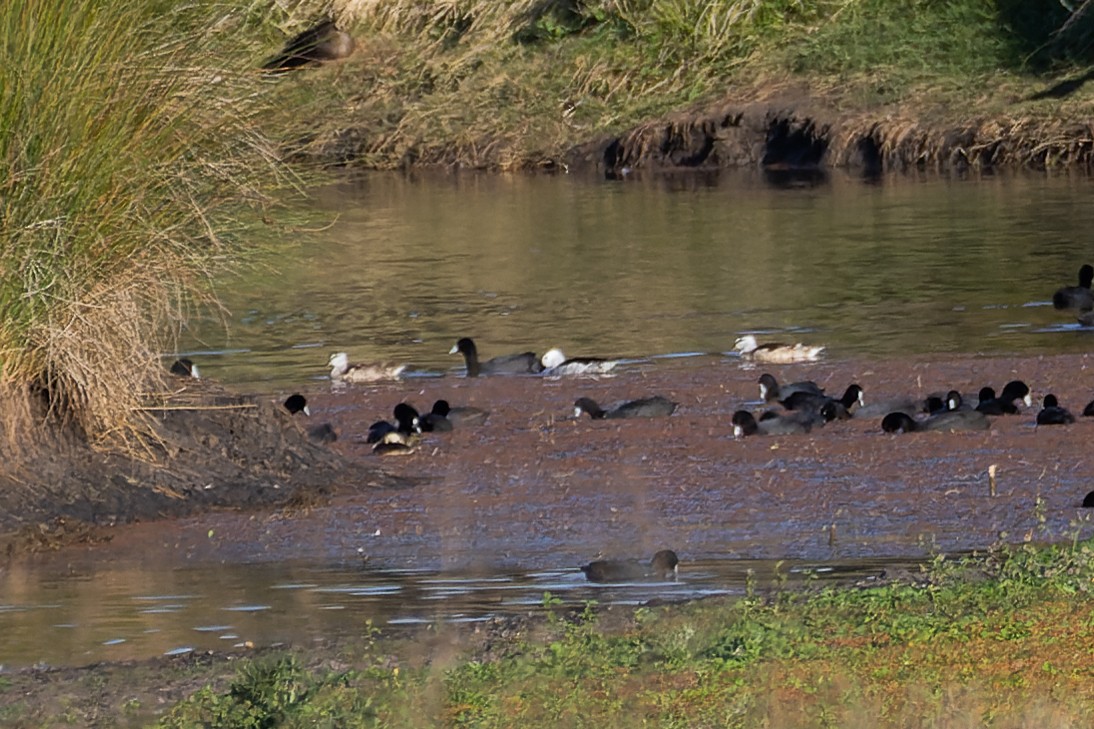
{"points": [[558, 490], [215, 450], [541, 488]]}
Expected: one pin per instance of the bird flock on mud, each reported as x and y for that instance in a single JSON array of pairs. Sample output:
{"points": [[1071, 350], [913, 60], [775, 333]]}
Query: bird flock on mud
{"points": [[788, 408]]}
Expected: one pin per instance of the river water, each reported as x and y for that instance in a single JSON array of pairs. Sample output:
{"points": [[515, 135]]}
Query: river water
{"points": [[654, 267], [664, 271]]}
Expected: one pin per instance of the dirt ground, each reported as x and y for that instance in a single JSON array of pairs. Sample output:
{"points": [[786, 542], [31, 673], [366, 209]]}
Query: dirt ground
{"points": [[221, 450]]}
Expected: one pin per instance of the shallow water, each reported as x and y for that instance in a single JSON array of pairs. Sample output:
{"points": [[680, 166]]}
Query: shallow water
{"points": [[96, 613], [905, 282]]}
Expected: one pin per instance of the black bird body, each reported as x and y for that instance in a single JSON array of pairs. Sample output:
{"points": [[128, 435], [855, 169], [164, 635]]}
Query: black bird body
{"points": [[812, 402], [770, 423], [1077, 297], [646, 407], [771, 390], [1052, 414], [663, 566], [508, 364], [185, 367], [1004, 403], [297, 403], [406, 422], [947, 421]]}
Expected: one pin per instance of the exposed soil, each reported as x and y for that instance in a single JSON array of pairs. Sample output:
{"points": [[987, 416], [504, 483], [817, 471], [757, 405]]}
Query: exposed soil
{"points": [[793, 129], [219, 451]]}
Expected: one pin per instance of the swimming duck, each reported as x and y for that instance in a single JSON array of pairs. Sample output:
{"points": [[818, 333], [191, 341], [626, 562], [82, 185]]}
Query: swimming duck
{"points": [[297, 403], [509, 364], [771, 423], [460, 415], [556, 364], [319, 43], [1052, 414], [406, 422], [183, 367], [1004, 404], [646, 407], [342, 371], [947, 421], [663, 566], [776, 353], [1077, 297], [770, 390]]}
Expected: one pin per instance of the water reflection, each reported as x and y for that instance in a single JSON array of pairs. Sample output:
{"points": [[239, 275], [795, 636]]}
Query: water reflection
{"points": [[121, 614], [654, 266]]}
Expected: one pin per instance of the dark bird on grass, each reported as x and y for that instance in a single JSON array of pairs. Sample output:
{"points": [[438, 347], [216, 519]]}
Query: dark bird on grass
{"points": [[1077, 297], [947, 421], [663, 566], [322, 42], [185, 368], [646, 407], [1088, 501], [1052, 414], [507, 364]]}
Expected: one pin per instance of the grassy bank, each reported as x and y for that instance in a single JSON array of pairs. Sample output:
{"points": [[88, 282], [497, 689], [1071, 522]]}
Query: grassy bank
{"points": [[516, 85], [133, 165], [1000, 641]]}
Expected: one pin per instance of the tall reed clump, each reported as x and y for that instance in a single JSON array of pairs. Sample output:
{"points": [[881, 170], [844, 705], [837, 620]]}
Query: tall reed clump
{"points": [[130, 152]]}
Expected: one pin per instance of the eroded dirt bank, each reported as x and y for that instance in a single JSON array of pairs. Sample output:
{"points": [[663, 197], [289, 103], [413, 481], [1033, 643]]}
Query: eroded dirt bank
{"points": [[796, 130]]}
